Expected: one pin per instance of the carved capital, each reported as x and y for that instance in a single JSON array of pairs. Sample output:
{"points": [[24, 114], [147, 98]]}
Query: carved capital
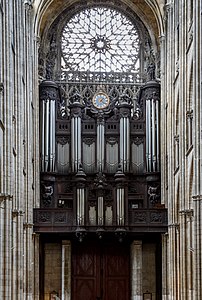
{"points": [[16, 213], [112, 140], [63, 140], [28, 4], [48, 91], [4, 197], [176, 139], [189, 114], [137, 140], [89, 141]]}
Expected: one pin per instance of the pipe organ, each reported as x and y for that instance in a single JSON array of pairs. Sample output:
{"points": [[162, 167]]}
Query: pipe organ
{"points": [[101, 160]]}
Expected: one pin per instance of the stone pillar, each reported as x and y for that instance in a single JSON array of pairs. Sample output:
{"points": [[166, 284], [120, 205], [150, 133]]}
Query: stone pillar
{"points": [[197, 247], [66, 270], [136, 269], [36, 242], [165, 266], [2, 241]]}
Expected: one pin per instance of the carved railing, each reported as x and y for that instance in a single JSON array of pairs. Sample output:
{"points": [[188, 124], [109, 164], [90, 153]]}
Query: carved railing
{"points": [[63, 220]]}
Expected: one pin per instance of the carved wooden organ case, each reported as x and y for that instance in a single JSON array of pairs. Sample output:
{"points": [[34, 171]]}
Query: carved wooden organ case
{"points": [[100, 159]]}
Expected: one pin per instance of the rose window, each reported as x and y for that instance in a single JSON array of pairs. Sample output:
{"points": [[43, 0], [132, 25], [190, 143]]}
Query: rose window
{"points": [[100, 39]]}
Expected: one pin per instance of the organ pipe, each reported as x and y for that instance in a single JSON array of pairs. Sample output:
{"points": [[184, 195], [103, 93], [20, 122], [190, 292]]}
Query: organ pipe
{"points": [[153, 117], [47, 136], [80, 206], [48, 97], [125, 143], [125, 113], [100, 147], [120, 196], [120, 206], [152, 135], [80, 196], [151, 90], [100, 211], [42, 135], [76, 135], [157, 137], [72, 144]]}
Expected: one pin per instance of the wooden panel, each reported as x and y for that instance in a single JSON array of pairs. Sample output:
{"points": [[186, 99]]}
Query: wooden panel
{"points": [[116, 272], [85, 268], [100, 272]]}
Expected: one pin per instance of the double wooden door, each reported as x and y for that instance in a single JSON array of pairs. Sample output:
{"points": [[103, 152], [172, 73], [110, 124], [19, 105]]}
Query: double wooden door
{"points": [[100, 271]]}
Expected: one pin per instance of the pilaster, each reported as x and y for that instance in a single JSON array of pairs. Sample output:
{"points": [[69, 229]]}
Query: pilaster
{"points": [[66, 270], [136, 270]]}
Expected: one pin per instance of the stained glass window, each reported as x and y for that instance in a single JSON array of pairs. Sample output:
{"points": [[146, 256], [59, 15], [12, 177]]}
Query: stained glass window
{"points": [[100, 40]]}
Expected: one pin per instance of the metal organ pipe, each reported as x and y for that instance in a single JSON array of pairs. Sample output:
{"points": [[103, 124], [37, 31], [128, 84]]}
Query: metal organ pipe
{"points": [[152, 135], [75, 142], [48, 97], [121, 142], [80, 206], [151, 96], [120, 206], [72, 144], [52, 136], [157, 137], [128, 143], [124, 143], [80, 193], [100, 147], [103, 147], [46, 136], [153, 117], [42, 136], [148, 136], [100, 211], [79, 142]]}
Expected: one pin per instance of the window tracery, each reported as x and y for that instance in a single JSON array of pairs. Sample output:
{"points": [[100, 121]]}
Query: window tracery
{"points": [[100, 39]]}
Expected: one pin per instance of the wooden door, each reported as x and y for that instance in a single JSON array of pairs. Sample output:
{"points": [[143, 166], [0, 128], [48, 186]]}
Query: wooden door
{"points": [[100, 272]]}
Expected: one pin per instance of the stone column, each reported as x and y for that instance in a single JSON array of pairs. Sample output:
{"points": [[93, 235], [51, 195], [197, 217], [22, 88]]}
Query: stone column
{"points": [[136, 269], [165, 266], [2, 241], [66, 270], [197, 247], [36, 242]]}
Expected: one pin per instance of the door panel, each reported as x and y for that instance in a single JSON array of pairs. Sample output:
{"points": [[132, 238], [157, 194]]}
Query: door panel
{"points": [[85, 267], [116, 276], [100, 272]]}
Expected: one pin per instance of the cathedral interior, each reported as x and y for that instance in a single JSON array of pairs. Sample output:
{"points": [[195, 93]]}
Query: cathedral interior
{"points": [[100, 150]]}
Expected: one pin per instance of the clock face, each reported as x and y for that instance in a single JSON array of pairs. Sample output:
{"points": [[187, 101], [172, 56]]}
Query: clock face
{"points": [[100, 100]]}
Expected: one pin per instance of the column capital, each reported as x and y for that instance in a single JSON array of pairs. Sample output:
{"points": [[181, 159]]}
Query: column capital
{"points": [[197, 197]]}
